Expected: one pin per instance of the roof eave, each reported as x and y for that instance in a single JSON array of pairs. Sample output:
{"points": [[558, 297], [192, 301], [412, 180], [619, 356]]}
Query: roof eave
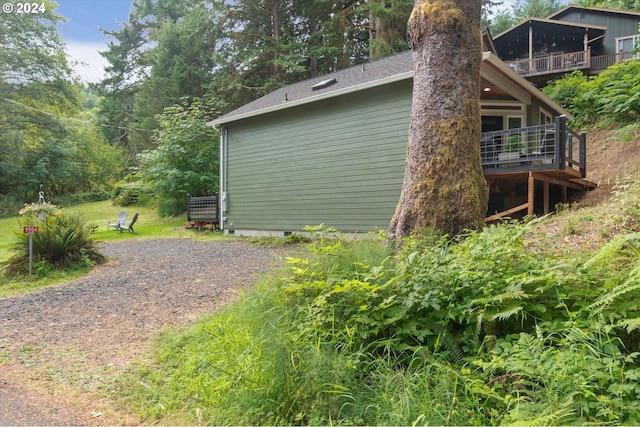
{"points": [[528, 86], [487, 56], [552, 22], [593, 9]]}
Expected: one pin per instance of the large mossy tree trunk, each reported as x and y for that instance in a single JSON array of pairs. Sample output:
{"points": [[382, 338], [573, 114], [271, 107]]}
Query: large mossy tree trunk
{"points": [[444, 188]]}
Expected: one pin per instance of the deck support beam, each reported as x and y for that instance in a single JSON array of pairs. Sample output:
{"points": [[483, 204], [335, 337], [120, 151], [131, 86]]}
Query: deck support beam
{"points": [[530, 194], [545, 193], [505, 182], [560, 182], [507, 212]]}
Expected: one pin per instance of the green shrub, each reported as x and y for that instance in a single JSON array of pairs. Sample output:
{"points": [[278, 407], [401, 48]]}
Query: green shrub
{"points": [[612, 96], [129, 193], [96, 195], [171, 207], [9, 205], [569, 92], [447, 295], [62, 241], [616, 94]]}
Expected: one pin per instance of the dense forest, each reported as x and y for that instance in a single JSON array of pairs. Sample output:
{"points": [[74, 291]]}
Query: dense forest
{"points": [[140, 133]]}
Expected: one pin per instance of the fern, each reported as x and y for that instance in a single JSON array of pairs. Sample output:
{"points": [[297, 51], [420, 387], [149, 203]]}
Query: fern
{"points": [[630, 285], [620, 249], [505, 313], [630, 324]]}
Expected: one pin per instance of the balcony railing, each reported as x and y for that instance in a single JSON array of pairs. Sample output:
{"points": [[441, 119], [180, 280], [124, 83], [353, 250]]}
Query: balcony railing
{"points": [[544, 147], [552, 63], [602, 62], [565, 62]]}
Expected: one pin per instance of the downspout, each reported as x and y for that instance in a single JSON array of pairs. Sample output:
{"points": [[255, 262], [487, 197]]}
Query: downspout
{"points": [[223, 177]]}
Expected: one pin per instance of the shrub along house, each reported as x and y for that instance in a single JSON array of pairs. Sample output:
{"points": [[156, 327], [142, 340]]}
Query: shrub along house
{"points": [[332, 149]]}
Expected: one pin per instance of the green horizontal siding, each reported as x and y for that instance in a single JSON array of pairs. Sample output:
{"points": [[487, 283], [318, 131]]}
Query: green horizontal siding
{"points": [[339, 161]]}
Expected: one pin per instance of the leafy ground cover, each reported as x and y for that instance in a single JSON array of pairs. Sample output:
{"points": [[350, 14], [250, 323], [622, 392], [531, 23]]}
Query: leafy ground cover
{"points": [[489, 328]]}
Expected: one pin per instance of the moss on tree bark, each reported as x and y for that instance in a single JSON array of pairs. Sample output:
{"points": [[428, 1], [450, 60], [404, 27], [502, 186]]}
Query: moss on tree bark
{"points": [[444, 187]]}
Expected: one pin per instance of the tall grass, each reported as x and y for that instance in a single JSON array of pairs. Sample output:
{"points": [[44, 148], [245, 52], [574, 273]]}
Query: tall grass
{"points": [[468, 331]]}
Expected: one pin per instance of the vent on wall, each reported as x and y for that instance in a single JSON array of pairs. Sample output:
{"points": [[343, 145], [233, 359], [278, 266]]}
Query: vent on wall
{"points": [[323, 84]]}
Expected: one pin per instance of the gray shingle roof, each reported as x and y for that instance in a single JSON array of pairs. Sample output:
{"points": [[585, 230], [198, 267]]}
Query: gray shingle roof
{"points": [[575, 8], [398, 66]]}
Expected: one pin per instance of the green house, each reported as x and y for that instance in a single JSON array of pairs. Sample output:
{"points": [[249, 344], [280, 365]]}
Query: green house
{"points": [[332, 149]]}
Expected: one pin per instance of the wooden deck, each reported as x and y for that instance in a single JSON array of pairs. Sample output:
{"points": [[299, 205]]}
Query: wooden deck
{"points": [[560, 63], [532, 166]]}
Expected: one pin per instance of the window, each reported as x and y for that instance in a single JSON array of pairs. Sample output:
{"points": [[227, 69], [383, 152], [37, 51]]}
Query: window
{"points": [[515, 122], [626, 44], [499, 115], [545, 118]]}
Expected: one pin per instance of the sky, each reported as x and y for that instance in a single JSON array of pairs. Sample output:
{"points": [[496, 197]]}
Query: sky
{"points": [[82, 35]]}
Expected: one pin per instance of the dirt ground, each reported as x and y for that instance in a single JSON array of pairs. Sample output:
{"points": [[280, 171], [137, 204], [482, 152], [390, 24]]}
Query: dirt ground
{"points": [[59, 345]]}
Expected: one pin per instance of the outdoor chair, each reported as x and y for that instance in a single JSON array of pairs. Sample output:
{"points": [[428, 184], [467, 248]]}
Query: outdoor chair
{"points": [[129, 226], [545, 152], [488, 151], [122, 217], [547, 145]]}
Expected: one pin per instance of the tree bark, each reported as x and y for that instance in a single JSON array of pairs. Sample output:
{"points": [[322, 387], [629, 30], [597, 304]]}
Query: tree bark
{"points": [[444, 188]]}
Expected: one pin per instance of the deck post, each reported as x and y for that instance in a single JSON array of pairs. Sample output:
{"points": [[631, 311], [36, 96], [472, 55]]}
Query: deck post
{"points": [[530, 194], [545, 193], [583, 154], [188, 207], [560, 143]]}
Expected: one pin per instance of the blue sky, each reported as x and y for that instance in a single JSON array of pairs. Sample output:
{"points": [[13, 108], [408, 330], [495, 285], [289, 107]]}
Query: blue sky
{"points": [[82, 33]]}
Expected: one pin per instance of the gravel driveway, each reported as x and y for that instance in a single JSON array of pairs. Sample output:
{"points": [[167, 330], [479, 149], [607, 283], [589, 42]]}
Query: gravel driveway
{"points": [[58, 345]]}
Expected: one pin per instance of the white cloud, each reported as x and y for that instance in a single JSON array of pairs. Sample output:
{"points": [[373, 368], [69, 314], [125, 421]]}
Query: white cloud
{"points": [[86, 61]]}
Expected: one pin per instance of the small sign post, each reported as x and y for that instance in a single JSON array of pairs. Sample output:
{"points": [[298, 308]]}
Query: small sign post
{"points": [[30, 230]]}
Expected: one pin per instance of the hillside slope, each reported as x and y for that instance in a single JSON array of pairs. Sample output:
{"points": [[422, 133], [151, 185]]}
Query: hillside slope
{"points": [[612, 154], [594, 217]]}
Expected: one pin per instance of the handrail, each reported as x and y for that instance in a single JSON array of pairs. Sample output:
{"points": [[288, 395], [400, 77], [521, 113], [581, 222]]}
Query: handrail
{"points": [[553, 145], [551, 63], [564, 62]]}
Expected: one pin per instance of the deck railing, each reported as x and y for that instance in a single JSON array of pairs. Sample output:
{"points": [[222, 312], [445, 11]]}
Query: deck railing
{"points": [[564, 62], [602, 62], [552, 63], [551, 146]]}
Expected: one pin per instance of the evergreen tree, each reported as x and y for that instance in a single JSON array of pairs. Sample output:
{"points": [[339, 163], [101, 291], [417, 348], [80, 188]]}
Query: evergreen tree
{"points": [[444, 188]]}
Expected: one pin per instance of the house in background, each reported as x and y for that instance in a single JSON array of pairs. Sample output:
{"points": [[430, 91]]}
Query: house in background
{"points": [[332, 149], [574, 38]]}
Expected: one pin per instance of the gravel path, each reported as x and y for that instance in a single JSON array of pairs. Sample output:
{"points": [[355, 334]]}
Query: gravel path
{"points": [[59, 344]]}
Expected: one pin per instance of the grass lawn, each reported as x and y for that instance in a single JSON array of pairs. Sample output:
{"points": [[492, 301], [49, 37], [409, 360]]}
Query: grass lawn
{"points": [[148, 225], [8, 228]]}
